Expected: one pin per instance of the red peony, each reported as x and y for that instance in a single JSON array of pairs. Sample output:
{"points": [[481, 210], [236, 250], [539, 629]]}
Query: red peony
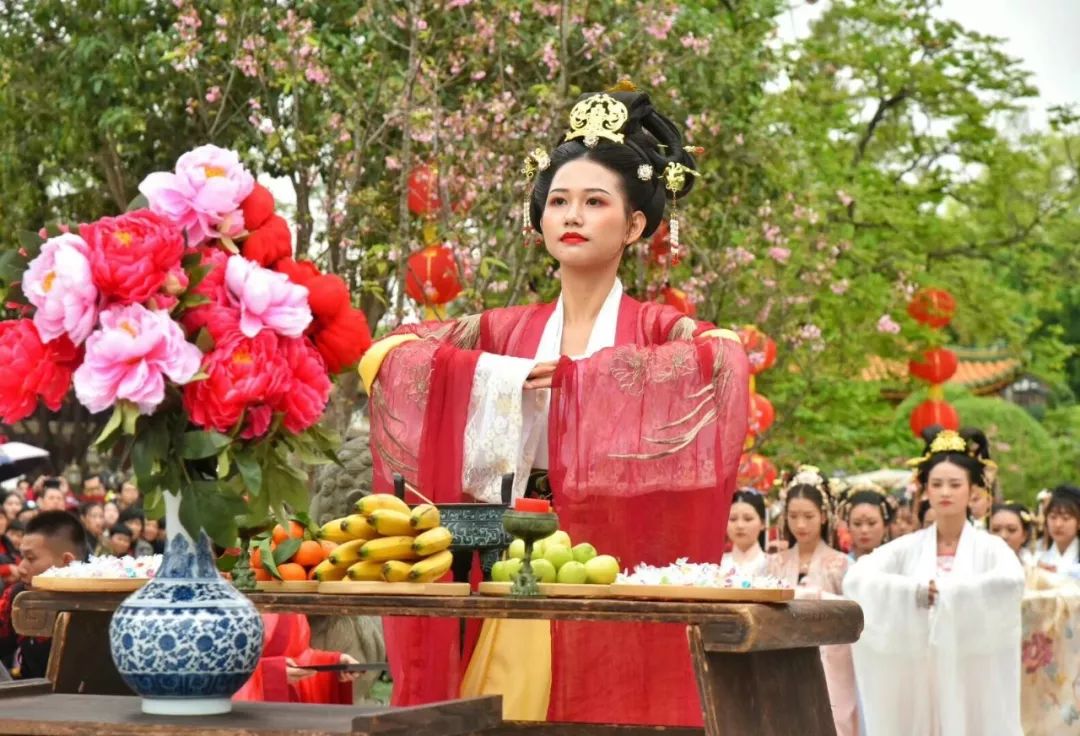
{"points": [[328, 296], [305, 399], [131, 255], [219, 317], [270, 243], [299, 272], [257, 207], [246, 378], [33, 369], [343, 341]]}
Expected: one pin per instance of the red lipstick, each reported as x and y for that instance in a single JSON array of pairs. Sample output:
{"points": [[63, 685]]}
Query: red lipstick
{"points": [[573, 238]]}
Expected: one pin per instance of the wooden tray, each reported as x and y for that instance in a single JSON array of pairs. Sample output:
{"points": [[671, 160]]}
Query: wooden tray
{"points": [[694, 593], [363, 587], [288, 586], [88, 585], [552, 590]]}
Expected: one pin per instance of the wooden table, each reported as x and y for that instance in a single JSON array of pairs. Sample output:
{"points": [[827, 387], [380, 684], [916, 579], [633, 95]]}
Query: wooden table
{"points": [[758, 668], [32, 709]]}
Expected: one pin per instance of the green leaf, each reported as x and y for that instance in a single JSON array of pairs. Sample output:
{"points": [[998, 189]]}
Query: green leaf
{"points": [[111, 426], [30, 241], [286, 550], [267, 556], [250, 471], [223, 465], [204, 340], [191, 260], [139, 203], [130, 415], [226, 563], [198, 444]]}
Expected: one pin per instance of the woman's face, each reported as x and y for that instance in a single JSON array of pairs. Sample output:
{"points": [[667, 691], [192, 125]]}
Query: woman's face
{"points": [[111, 514], [585, 222], [744, 525], [903, 523], [949, 490], [1062, 526], [1008, 526], [12, 506], [980, 504], [867, 527], [804, 520]]}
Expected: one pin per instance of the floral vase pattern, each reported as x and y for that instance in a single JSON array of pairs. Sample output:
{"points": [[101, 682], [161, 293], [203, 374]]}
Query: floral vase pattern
{"points": [[187, 640]]}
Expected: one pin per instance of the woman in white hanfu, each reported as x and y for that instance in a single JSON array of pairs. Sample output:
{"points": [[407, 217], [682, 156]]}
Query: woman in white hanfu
{"points": [[816, 571], [940, 648]]}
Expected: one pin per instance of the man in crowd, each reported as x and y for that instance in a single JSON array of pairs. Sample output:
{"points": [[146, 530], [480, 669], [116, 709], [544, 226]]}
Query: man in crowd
{"points": [[52, 496], [129, 496], [52, 539], [154, 535], [93, 489]]}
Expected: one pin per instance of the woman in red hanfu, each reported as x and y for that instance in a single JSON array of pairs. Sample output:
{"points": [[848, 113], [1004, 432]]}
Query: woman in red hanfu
{"points": [[637, 413], [281, 677]]}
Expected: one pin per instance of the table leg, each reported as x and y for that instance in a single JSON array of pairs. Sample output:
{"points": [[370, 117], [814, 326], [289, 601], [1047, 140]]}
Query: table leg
{"points": [[766, 693], [80, 660]]}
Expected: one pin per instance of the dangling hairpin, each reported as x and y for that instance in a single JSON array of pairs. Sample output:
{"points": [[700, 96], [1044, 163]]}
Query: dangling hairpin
{"points": [[537, 161], [674, 177]]}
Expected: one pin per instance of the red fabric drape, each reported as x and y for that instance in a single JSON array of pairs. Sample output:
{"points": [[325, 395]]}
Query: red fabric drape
{"points": [[639, 510], [288, 636]]}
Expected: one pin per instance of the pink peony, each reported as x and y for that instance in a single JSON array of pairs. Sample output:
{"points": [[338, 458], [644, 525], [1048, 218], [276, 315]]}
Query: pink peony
{"points": [[266, 299], [888, 325], [132, 255], [130, 356], [59, 284], [204, 195]]}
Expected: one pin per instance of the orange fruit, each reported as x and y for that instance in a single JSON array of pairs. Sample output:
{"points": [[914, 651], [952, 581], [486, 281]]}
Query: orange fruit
{"points": [[296, 531], [292, 571], [256, 558], [262, 574], [328, 546], [311, 553]]}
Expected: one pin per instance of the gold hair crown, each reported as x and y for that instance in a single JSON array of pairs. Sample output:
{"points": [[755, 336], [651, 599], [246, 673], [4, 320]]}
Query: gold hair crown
{"points": [[595, 117], [947, 440]]}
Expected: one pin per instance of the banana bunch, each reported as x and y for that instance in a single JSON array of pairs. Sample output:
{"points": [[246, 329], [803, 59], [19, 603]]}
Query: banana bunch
{"points": [[388, 541]]}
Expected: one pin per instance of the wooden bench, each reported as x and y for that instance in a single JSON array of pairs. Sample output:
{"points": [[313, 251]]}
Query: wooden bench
{"points": [[758, 668]]}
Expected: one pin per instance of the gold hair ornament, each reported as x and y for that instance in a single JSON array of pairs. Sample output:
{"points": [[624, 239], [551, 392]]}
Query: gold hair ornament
{"points": [[537, 161], [947, 440], [596, 117], [674, 177]]}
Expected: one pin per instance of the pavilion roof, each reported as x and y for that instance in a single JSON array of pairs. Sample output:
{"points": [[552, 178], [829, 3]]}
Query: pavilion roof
{"points": [[979, 370]]}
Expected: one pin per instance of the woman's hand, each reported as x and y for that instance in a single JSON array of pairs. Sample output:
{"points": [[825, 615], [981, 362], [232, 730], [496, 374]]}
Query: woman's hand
{"points": [[347, 676], [293, 673], [540, 375], [932, 592]]}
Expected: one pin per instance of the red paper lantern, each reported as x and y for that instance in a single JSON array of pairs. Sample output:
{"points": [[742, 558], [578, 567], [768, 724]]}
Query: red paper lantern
{"points": [[678, 299], [935, 366], [432, 276], [762, 414], [756, 471], [932, 307], [760, 349], [932, 412], [424, 190]]}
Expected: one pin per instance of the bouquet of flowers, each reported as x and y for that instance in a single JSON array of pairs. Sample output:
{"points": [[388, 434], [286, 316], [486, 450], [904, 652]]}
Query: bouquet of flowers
{"points": [[189, 319]]}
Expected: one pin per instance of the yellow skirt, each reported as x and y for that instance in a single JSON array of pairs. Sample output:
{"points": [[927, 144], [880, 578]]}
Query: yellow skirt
{"points": [[513, 659]]}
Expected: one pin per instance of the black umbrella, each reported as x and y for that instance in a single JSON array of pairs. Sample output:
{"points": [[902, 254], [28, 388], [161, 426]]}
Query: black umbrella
{"points": [[19, 458]]}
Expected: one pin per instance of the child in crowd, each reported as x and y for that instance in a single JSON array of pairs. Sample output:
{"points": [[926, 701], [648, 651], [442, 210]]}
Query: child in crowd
{"points": [[120, 540], [132, 517]]}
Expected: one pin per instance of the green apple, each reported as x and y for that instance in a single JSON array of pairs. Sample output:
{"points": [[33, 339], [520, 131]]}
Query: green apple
{"points": [[558, 554], [538, 549], [516, 550], [544, 571], [602, 570], [500, 573], [513, 567], [560, 537], [583, 552], [572, 573]]}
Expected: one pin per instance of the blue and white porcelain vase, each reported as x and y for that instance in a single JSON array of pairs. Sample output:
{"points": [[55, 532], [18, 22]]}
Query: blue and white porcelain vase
{"points": [[187, 640]]}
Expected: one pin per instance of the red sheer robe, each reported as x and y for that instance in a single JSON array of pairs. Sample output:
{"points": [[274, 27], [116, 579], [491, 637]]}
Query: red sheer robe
{"points": [[288, 636], [643, 446]]}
